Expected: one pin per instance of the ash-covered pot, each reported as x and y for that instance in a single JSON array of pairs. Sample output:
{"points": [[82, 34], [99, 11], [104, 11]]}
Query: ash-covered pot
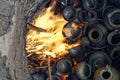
{"points": [[107, 73], [72, 31], [64, 66], [112, 19], [82, 70], [98, 59], [114, 38]]}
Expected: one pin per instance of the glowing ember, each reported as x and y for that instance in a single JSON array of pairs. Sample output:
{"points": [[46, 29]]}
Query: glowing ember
{"points": [[52, 42]]}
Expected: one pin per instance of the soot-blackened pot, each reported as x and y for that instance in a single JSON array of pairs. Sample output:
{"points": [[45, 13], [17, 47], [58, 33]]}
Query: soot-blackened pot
{"points": [[64, 66], [83, 70], [69, 13], [98, 59], [112, 19], [97, 35]]}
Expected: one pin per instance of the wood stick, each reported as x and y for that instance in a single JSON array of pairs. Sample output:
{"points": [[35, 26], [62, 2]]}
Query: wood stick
{"points": [[49, 70], [30, 26]]}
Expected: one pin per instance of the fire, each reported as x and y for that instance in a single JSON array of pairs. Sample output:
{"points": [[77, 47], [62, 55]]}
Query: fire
{"points": [[51, 42]]}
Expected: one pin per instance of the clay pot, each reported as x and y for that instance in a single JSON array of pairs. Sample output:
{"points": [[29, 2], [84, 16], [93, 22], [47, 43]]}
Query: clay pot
{"points": [[64, 66], [112, 19], [83, 70], [87, 16], [72, 32], [107, 73], [98, 59], [69, 13], [76, 52], [97, 35]]}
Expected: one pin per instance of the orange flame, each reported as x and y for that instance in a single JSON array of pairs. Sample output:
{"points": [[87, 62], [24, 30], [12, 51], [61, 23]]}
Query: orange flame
{"points": [[51, 42]]}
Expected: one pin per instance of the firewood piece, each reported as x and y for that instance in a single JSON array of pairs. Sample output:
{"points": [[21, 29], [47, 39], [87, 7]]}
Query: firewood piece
{"points": [[49, 70], [30, 26]]}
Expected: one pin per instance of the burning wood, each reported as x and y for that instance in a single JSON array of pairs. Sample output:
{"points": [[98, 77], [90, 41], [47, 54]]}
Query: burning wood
{"points": [[50, 40], [54, 39]]}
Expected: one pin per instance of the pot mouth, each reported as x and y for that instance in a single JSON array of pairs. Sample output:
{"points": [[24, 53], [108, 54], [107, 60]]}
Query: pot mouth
{"points": [[86, 70], [92, 15], [95, 35], [106, 75]]}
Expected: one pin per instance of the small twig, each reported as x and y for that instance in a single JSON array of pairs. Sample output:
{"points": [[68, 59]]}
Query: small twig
{"points": [[49, 70]]}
